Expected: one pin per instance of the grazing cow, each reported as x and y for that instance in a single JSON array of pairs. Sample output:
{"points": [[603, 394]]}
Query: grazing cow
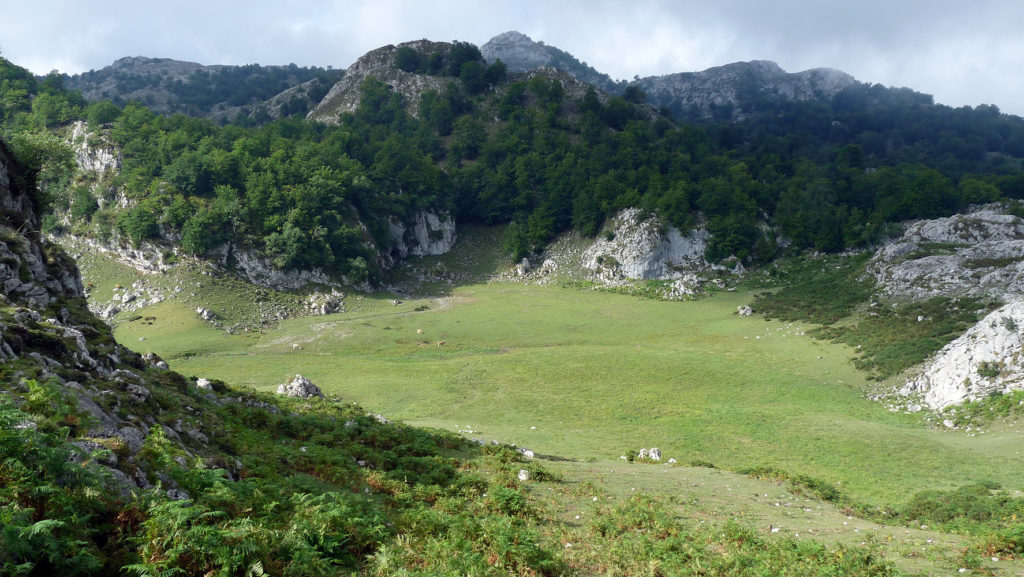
{"points": [[419, 331], [439, 343], [296, 347]]}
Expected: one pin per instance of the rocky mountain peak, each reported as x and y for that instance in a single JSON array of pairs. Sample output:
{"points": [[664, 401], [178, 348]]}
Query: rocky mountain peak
{"points": [[732, 91], [345, 95], [517, 50], [520, 53]]}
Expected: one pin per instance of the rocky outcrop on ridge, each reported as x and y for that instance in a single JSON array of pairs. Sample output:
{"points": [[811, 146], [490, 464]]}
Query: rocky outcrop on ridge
{"points": [[728, 90], [379, 64], [725, 92], [520, 53], [160, 83], [345, 95], [978, 253]]}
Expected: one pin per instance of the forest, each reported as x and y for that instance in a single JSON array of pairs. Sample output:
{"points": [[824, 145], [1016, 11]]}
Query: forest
{"points": [[494, 147]]}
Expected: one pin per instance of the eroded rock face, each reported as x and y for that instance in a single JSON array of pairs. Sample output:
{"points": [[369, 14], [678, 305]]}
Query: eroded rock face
{"points": [[92, 154], [428, 234], [260, 271], [56, 343], [300, 387], [639, 248], [642, 248], [980, 253], [24, 262], [635, 247], [987, 358]]}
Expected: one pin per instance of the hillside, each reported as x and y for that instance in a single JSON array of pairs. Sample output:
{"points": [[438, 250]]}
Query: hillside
{"points": [[114, 463], [826, 351], [724, 93], [222, 93]]}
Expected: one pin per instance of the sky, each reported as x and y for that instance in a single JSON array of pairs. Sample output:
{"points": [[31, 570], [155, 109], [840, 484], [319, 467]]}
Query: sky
{"points": [[963, 53]]}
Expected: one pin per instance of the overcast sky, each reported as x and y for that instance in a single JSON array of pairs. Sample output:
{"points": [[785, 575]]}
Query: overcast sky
{"points": [[963, 53]]}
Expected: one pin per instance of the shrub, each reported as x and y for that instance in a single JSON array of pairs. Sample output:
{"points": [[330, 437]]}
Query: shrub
{"points": [[989, 369], [508, 501]]}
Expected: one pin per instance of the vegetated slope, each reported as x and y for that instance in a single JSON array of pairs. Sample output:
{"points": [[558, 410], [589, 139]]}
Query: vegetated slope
{"points": [[113, 463], [434, 127], [250, 93]]}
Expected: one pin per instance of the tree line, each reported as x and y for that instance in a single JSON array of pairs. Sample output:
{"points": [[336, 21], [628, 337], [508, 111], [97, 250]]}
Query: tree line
{"points": [[504, 149]]}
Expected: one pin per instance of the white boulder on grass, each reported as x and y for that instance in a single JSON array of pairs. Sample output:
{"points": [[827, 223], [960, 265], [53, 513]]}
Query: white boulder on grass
{"points": [[300, 387]]}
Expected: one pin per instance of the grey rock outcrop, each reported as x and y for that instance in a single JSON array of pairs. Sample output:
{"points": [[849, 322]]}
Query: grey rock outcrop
{"points": [[642, 248], [427, 234], [520, 53], [345, 95], [259, 270], [979, 253], [300, 387], [319, 304], [92, 152], [723, 88], [986, 359], [634, 247]]}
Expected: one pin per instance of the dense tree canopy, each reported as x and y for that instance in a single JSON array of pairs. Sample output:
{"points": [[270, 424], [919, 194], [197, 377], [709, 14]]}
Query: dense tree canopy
{"points": [[824, 176]]}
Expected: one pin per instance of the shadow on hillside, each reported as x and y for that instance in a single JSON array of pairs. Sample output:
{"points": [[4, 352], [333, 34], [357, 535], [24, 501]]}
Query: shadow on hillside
{"points": [[477, 256]]}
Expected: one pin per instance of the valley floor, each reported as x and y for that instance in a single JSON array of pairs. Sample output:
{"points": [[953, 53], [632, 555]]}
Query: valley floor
{"points": [[583, 377]]}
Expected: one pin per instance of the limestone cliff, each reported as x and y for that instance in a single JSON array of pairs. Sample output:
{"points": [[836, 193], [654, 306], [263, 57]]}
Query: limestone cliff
{"points": [[635, 247], [986, 359], [978, 253]]}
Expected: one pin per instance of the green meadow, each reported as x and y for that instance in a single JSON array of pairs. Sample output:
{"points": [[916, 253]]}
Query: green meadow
{"points": [[591, 375]]}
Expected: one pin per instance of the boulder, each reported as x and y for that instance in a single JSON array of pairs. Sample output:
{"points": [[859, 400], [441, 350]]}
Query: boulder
{"points": [[300, 387], [652, 454]]}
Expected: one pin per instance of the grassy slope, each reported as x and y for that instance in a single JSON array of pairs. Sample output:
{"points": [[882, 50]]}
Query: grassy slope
{"points": [[599, 374]]}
